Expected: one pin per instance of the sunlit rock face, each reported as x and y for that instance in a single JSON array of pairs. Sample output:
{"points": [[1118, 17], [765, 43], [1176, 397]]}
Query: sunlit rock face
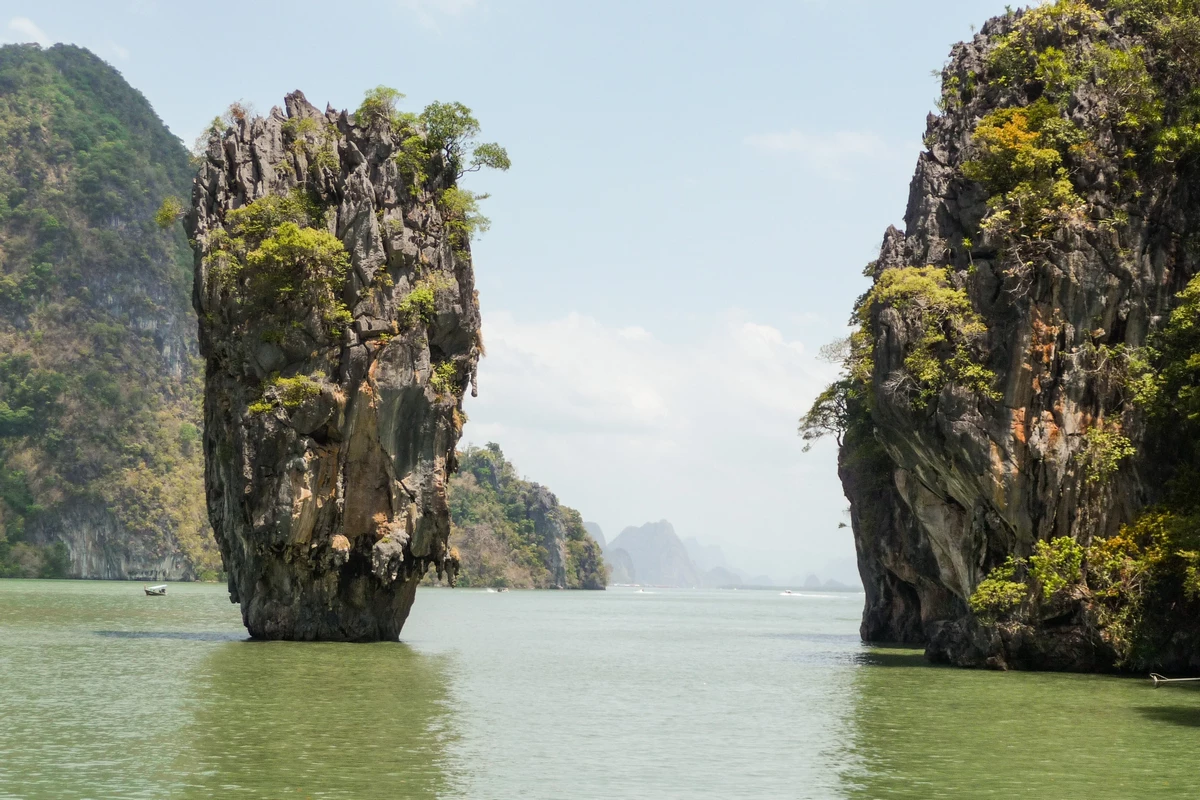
{"points": [[340, 325], [943, 492]]}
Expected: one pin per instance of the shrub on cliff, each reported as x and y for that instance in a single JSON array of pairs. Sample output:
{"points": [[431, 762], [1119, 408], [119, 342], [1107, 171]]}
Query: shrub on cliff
{"points": [[998, 594], [944, 347], [1020, 159], [280, 263], [443, 134]]}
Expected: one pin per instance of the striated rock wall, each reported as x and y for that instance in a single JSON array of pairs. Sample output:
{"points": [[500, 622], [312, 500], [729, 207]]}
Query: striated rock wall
{"points": [[100, 548], [330, 429], [943, 492]]}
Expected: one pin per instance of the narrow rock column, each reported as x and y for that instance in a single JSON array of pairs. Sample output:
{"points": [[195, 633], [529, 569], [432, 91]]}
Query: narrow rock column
{"points": [[340, 327]]}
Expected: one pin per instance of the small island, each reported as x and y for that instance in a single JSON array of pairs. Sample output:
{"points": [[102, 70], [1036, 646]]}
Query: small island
{"points": [[340, 327]]}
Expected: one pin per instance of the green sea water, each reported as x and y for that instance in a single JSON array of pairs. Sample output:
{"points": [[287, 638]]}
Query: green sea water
{"points": [[106, 693]]}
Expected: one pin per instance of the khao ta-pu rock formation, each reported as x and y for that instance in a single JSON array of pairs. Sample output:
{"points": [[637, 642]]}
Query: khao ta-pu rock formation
{"points": [[1020, 409], [340, 323]]}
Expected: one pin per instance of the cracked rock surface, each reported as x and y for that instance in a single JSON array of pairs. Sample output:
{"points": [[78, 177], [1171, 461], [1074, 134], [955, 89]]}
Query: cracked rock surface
{"points": [[328, 444], [941, 495]]}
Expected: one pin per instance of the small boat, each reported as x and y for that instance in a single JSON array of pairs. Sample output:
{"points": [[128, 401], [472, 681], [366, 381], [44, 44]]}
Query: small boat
{"points": [[156, 591], [786, 592], [502, 589]]}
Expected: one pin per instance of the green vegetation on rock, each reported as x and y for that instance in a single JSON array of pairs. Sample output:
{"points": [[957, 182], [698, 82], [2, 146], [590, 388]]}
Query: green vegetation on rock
{"points": [[99, 384], [281, 263], [510, 532], [998, 594], [446, 134], [949, 332], [1054, 206]]}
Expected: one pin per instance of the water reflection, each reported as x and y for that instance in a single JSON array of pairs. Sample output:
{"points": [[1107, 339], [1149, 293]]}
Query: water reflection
{"points": [[316, 720], [187, 636], [928, 732]]}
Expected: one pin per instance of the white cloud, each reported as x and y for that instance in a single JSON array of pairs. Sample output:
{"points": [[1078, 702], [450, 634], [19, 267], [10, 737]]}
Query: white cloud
{"points": [[630, 427], [25, 28], [831, 153], [428, 12], [120, 52]]}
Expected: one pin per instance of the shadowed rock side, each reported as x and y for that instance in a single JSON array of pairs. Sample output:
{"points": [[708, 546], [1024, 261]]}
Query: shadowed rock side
{"points": [[980, 427], [340, 324]]}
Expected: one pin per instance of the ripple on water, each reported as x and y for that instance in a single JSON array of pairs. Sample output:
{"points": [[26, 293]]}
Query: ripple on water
{"points": [[107, 694]]}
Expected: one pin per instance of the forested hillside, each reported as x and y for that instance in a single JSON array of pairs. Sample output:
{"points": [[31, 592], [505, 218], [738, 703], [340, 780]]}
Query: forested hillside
{"points": [[100, 458], [510, 532]]}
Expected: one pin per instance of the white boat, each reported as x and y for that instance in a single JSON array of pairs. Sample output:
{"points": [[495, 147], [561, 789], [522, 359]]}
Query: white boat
{"points": [[156, 591]]}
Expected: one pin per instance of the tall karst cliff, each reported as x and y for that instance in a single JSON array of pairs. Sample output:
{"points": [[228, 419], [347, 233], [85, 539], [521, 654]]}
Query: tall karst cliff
{"points": [[340, 323], [1016, 444], [100, 380]]}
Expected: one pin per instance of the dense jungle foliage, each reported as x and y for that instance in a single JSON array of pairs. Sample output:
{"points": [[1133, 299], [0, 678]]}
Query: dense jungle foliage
{"points": [[99, 383]]}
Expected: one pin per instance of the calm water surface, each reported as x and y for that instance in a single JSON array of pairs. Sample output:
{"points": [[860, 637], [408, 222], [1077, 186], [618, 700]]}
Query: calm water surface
{"points": [[106, 693]]}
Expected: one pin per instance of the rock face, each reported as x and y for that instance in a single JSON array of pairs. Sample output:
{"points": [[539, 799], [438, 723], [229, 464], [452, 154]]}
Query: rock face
{"points": [[340, 324], [101, 473], [657, 555], [945, 490]]}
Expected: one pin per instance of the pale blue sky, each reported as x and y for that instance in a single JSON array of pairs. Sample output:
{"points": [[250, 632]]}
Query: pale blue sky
{"points": [[696, 187]]}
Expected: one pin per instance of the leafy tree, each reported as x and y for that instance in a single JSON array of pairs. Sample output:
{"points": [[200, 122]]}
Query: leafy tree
{"points": [[170, 211], [829, 415], [452, 130], [380, 106]]}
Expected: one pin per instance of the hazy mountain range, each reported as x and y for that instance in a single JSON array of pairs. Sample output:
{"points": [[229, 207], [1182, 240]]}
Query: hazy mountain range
{"points": [[654, 555]]}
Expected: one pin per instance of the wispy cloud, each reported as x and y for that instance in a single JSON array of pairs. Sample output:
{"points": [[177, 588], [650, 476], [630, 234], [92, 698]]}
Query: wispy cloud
{"points": [[429, 12], [25, 28], [831, 153], [630, 426]]}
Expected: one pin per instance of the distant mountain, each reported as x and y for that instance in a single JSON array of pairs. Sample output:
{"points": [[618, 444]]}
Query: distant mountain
{"points": [[659, 557], [838, 586], [814, 584], [843, 570], [594, 531], [719, 577], [706, 557], [620, 565]]}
